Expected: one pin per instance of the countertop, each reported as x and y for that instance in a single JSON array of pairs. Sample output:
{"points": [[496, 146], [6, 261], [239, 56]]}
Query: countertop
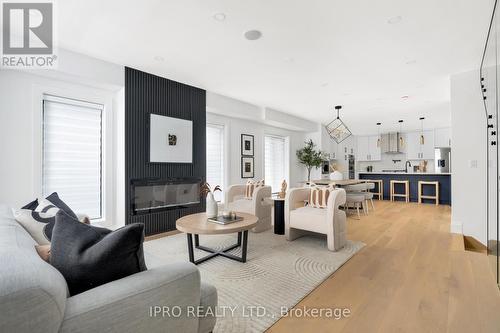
{"points": [[406, 173]]}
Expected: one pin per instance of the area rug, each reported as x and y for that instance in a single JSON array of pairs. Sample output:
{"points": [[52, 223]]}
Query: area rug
{"points": [[276, 276]]}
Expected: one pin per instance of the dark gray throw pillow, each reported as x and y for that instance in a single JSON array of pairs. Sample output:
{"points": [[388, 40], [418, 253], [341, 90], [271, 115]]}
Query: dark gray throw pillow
{"points": [[89, 256]]}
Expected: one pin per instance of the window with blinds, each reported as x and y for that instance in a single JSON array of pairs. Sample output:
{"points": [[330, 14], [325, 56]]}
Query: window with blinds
{"points": [[275, 161], [72, 153], [215, 158]]}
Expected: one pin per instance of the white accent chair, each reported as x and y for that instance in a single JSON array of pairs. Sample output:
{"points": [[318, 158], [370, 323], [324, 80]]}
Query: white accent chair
{"points": [[259, 205], [330, 221]]}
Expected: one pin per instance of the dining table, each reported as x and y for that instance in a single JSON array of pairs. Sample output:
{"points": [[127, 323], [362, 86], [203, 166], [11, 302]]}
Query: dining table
{"points": [[339, 183]]}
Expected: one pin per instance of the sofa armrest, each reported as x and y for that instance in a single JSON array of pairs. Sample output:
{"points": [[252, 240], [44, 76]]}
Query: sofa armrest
{"points": [[336, 219], [260, 193], [129, 304], [336, 198], [294, 199], [233, 191], [261, 207]]}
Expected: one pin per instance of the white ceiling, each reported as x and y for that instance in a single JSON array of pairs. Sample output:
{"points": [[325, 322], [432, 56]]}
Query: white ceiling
{"points": [[314, 54]]}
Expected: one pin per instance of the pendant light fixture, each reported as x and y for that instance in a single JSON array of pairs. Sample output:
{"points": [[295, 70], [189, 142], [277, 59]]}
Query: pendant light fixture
{"points": [[422, 138], [378, 130], [337, 130], [401, 140]]}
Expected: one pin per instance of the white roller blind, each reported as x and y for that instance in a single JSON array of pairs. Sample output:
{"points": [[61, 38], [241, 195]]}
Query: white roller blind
{"points": [[72, 153], [215, 157], [275, 164]]}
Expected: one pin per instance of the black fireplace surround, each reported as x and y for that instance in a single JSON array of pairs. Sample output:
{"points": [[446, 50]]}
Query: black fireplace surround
{"points": [[155, 195], [146, 94]]}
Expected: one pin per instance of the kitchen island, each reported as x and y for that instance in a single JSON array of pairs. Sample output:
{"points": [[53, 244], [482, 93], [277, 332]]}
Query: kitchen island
{"points": [[444, 180]]}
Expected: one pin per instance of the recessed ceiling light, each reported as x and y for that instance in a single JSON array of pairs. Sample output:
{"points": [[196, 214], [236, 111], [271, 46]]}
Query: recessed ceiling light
{"points": [[219, 17], [253, 34], [289, 59], [394, 20], [411, 62], [325, 84], [159, 58]]}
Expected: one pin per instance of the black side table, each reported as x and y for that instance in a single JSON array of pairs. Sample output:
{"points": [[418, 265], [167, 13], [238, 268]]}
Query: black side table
{"points": [[279, 216]]}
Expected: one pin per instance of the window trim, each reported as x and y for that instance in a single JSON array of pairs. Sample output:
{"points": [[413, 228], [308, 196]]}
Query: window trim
{"points": [[224, 177], [94, 95], [286, 139], [95, 106]]}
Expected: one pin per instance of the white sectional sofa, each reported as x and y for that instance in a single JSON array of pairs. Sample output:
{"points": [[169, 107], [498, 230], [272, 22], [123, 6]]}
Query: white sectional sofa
{"points": [[34, 295]]}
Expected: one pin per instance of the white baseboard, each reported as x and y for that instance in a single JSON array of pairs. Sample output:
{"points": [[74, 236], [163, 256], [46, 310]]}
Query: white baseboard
{"points": [[456, 228]]}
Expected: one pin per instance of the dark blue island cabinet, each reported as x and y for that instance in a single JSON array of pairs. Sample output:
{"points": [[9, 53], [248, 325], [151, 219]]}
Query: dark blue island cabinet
{"points": [[444, 180]]}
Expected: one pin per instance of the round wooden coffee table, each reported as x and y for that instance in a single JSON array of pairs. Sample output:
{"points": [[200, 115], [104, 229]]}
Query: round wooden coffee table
{"points": [[197, 224]]}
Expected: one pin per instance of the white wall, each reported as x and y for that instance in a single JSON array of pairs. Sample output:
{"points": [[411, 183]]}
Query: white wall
{"points": [[469, 148], [234, 127], [78, 77], [240, 117]]}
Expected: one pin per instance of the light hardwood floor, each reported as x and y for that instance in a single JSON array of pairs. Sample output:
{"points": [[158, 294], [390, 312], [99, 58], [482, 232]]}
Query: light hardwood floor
{"points": [[412, 276]]}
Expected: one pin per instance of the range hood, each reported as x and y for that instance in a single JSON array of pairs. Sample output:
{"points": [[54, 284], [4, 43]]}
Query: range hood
{"points": [[390, 143]]}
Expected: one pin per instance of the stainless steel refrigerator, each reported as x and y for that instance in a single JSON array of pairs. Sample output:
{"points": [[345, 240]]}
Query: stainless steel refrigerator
{"points": [[442, 160]]}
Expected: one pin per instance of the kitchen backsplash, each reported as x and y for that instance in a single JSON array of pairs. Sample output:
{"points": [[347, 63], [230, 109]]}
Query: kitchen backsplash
{"points": [[387, 163]]}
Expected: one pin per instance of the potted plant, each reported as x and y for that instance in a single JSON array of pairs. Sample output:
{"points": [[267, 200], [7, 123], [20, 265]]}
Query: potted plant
{"points": [[310, 157], [206, 190]]}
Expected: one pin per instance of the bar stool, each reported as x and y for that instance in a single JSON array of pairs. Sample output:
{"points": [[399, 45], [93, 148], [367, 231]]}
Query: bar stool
{"points": [[435, 197], [405, 195], [380, 188]]}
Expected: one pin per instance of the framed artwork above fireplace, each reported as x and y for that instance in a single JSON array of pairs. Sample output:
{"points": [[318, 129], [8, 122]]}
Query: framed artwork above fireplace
{"points": [[170, 140]]}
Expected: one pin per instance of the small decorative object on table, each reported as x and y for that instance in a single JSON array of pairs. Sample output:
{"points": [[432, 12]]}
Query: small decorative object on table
{"points": [[335, 173], [225, 220], [282, 193], [212, 209], [226, 214]]}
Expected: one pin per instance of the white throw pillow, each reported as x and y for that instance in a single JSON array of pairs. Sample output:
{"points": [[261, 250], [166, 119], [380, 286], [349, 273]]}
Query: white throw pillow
{"points": [[318, 198], [38, 222], [28, 220], [251, 186]]}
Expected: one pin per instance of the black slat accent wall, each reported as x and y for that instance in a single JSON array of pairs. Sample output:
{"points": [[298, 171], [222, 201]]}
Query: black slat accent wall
{"points": [[144, 94]]}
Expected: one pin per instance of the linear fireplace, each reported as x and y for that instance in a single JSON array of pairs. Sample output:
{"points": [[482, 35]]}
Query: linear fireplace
{"points": [[152, 195]]}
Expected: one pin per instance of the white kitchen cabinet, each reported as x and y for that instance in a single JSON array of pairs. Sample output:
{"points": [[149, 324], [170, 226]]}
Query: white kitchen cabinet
{"points": [[333, 152], [347, 147], [412, 145], [442, 137], [351, 145], [415, 150], [428, 146], [362, 151], [368, 148], [374, 148]]}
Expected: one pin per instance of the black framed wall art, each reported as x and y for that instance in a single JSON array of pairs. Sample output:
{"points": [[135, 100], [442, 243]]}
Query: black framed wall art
{"points": [[247, 167], [247, 145]]}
